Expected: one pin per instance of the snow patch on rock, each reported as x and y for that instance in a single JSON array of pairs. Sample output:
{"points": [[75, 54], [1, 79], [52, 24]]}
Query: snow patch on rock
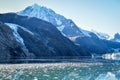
{"points": [[60, 28]]}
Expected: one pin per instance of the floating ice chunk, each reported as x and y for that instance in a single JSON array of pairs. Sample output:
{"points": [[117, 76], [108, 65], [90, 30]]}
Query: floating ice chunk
{"points": [[35, 78], [17, 75], [72, 76], [108, 76]]}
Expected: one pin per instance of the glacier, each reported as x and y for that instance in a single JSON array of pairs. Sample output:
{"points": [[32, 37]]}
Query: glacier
{"points": [[15, 33], [18, 38]]}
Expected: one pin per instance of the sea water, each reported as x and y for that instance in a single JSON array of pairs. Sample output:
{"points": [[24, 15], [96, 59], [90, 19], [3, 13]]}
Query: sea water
{"points": [[60, 71]]}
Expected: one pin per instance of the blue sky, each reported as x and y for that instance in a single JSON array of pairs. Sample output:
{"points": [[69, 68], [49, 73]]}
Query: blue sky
{"points": [[99, 15]]}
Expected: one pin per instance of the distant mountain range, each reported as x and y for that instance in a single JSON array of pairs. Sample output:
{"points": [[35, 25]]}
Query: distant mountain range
{"points": [[37, 32], [69, 29]]}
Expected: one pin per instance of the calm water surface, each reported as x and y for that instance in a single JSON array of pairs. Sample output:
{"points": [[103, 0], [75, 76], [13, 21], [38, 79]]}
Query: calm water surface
{"points": [[60, 71]]}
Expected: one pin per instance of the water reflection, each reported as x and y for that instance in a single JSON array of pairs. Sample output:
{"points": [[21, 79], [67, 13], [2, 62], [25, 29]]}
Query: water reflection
{"points": [[111, 56]]}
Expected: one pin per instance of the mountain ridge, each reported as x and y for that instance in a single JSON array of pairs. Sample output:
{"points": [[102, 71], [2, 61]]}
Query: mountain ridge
{"points": [[41, 32], [69, 29], [50, 16]]}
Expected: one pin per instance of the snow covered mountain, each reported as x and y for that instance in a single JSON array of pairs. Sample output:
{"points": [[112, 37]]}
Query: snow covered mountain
{"points": [[88, 39], [39, 32], [66, 26], [116, 37]]}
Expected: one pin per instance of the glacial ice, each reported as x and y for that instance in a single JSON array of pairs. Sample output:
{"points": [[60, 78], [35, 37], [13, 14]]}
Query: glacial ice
{"points": [[15, 33]]}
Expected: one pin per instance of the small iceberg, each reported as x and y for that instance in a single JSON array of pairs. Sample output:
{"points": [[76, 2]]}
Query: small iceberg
{"points": [[108, 76]]}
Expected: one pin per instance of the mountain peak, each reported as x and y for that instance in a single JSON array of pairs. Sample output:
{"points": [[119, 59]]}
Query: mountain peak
{"points": [[35, 6], [117, 36], [35, 10], [63, 24]]}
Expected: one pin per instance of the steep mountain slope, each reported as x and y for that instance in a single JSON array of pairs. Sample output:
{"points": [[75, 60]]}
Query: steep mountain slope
{"points": [[42, 38]]}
